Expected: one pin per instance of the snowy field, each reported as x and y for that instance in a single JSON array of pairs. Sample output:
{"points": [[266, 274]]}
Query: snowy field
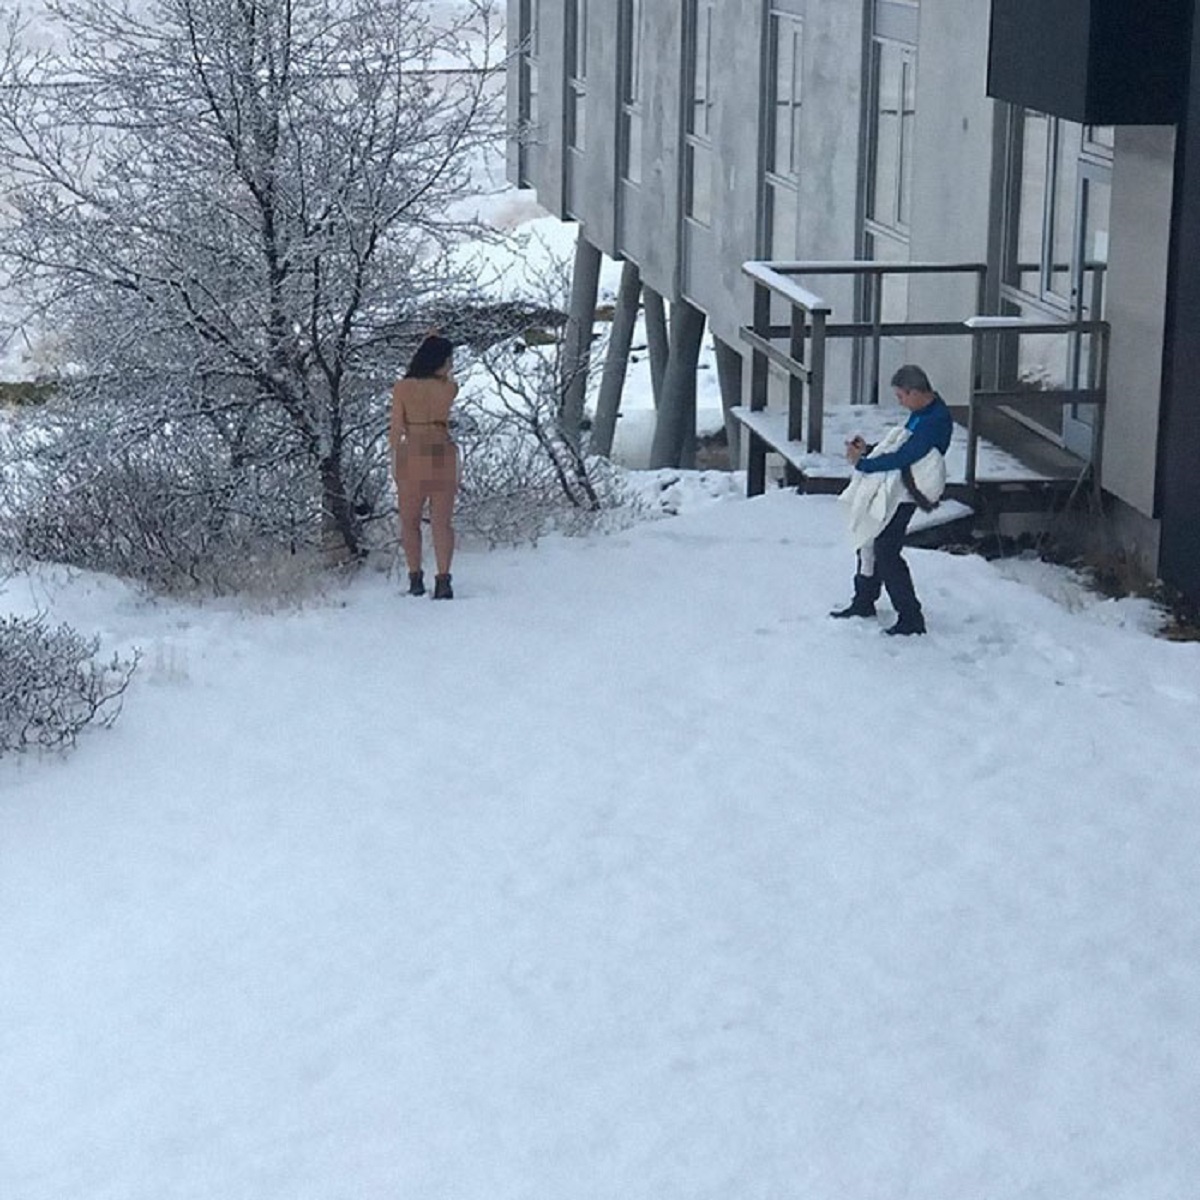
{"points": [[628, 875]]}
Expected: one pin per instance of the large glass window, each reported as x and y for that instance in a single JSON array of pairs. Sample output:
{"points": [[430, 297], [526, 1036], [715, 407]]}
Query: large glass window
{"points": [[1063, 184], [698, 164], [631, 90], [1051, 165], [1030, 164], [1054, 260], [785, 58]]}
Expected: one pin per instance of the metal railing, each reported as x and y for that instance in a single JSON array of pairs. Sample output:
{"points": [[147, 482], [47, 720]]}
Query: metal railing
{"points": [[1093, 392], [810, 328]]}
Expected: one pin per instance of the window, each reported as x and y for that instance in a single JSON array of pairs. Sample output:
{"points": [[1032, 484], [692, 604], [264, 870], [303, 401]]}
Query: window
{"points": [[890, 100], [698, 154], [892, 113], [1051, 164], [577, 48], [1055, 253], [783, 121], [893, 116], [631, 90], [1028, 162], [700, 69], [527, 88], [785, 46]]}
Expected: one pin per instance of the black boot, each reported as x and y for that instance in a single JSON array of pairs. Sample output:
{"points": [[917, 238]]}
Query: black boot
{"points": [[441, 588], [416, 583], [906, 625], [902, 594], [866, 592]]}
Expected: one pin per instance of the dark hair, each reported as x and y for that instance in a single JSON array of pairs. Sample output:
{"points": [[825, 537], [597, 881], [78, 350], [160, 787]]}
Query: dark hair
{"points": [[911, 379], [432, 354]]}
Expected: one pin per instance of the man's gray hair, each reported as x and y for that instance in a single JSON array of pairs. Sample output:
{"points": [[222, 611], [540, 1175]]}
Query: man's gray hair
{"points": [[912, 379]]}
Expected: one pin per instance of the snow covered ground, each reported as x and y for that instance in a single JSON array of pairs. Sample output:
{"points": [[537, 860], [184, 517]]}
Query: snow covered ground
{"points": [[627, 874]]}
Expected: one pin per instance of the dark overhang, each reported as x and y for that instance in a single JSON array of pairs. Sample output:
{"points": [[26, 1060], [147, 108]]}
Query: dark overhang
{"points": [[1097, 62]]}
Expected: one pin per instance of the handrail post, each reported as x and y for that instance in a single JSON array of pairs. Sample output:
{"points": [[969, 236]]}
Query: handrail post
{"points": [[756, 450], [816, 385], [758, 360], [795, 425], [977, 354], [1098, 419], [972, 416], [876, 332]]}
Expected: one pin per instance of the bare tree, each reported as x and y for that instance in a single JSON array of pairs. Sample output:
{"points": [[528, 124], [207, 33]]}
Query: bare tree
{"points": [[236, 212], [524, 469], [524, 401]]}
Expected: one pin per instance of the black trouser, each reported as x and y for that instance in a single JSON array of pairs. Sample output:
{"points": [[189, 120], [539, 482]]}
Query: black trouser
{"points": [[890, 569]]}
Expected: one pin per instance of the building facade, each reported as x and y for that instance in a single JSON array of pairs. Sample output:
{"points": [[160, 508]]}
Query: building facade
{"points": [[688, 136]]}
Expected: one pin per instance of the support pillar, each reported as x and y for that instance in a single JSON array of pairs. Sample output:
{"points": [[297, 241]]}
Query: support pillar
{"points": [[577, 340], [656, 339], [612, 382], [678, 405], [729, 375], [1178, 499]]}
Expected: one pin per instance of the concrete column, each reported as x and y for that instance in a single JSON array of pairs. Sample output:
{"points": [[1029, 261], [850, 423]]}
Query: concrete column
{"points": [[656, 339], [577, 340], [677, 409], [729, 374], [612, 382]]}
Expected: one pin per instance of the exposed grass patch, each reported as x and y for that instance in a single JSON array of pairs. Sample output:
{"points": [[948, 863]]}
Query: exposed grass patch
{"points": [[26, 392]]}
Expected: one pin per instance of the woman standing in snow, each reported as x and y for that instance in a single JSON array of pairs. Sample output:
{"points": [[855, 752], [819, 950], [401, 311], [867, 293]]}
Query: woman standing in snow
{"points": [[425, 460]]}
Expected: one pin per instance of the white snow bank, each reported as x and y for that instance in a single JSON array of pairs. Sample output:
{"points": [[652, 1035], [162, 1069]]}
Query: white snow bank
{"points": [[626, 874]]}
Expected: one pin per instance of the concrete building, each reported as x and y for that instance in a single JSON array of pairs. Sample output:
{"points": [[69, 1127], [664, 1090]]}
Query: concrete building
{"points": [[1054, 142]]}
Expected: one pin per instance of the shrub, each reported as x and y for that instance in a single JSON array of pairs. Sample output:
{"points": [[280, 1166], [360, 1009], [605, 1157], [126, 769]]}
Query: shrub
{"points": [[520, 481], [172, 509], [52, 686]]}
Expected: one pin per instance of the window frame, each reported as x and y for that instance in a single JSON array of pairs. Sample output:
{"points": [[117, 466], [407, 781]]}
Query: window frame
{"points": [[697, 143], [576, 66], [527, 88], [893, 224], [1091, 160], [775, 180], [1089, 154], [631, 35]]}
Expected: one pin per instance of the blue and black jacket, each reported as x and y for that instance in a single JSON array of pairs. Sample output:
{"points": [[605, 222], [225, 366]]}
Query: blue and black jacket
{"points": [[928, 427]]}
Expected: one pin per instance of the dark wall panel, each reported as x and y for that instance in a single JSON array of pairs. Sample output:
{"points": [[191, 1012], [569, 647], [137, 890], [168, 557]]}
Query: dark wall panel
{"points": [[1179, 445], [1098, 62]]}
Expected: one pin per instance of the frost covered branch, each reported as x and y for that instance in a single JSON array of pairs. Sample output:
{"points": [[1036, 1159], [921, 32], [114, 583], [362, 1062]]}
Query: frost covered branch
{"points": [[236, 214], [52, 686]]}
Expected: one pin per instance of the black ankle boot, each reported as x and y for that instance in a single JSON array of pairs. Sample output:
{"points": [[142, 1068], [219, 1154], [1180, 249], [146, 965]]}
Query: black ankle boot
{"points": [[856, 608], [907, 625], [416, 583], [441, 588], [902, 594], [866, 592]]}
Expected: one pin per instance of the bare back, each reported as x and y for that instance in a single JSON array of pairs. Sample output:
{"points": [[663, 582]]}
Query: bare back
{"points": [[424, 457], [421, 411]]}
